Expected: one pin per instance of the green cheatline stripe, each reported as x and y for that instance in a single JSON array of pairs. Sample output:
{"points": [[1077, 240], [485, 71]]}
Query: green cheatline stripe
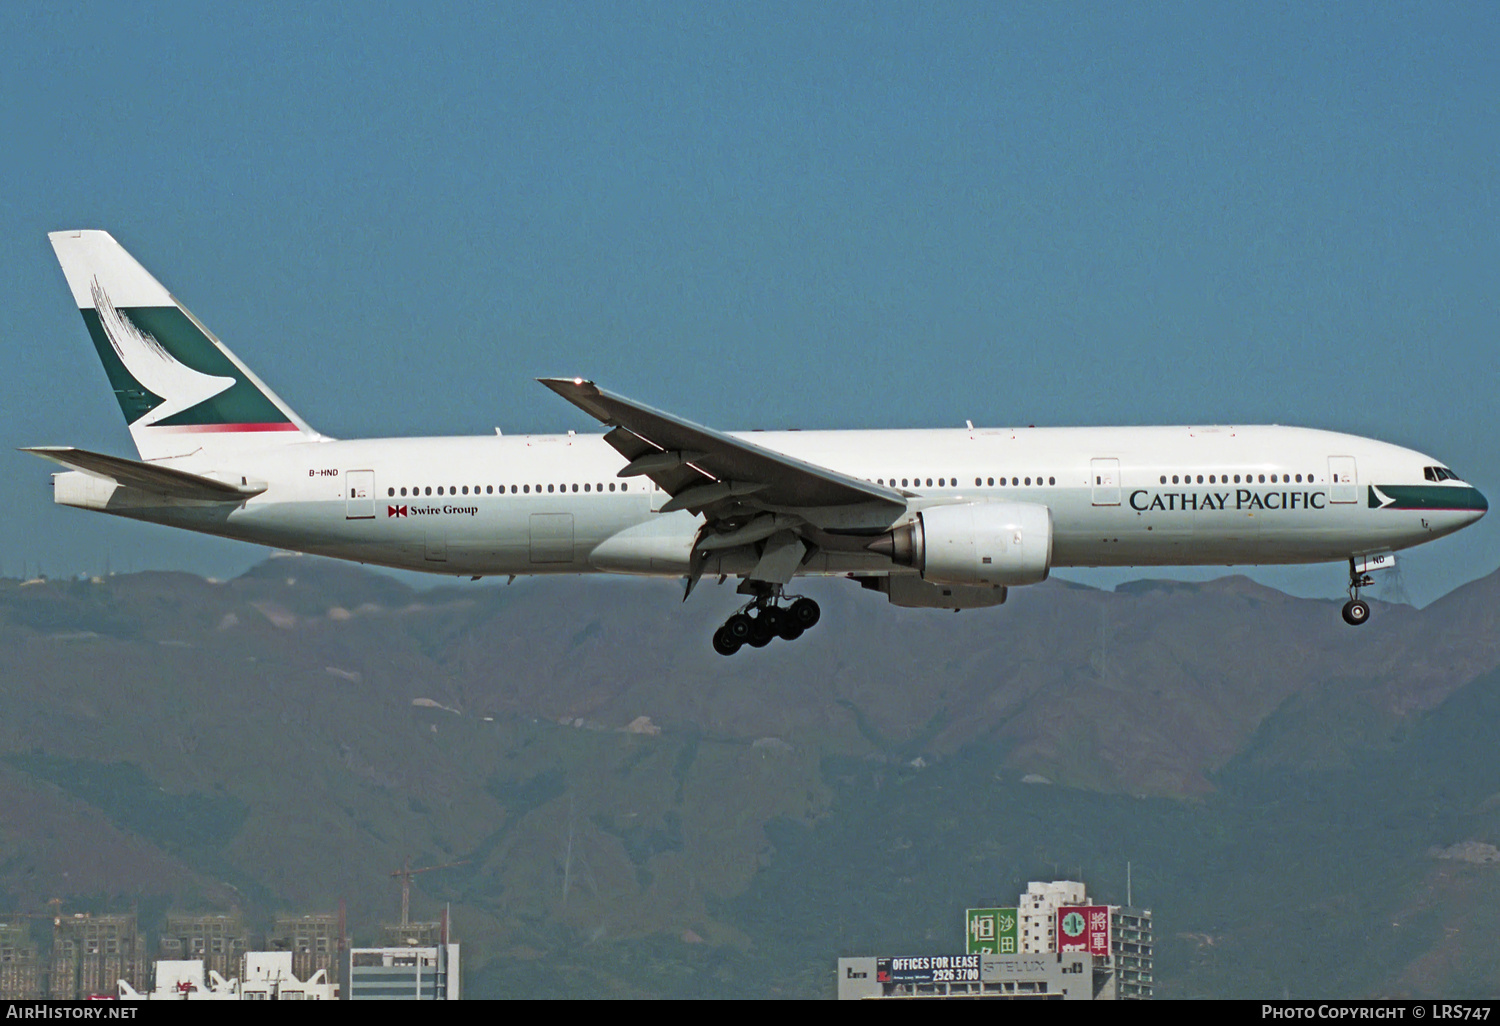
{"points": [[1427, 497]]}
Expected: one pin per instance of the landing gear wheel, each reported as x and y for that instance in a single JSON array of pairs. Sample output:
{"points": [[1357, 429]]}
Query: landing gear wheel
{"points": [[804, 613], [773, 618], [1356, 612], [789, 629], [725, 643], [739, 627]]}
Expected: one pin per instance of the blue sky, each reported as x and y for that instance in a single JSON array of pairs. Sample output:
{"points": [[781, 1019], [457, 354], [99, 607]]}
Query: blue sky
{"points": [[767, 215]]}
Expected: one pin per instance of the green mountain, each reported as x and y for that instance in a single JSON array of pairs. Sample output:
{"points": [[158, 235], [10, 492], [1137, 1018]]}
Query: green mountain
{"points": [[1308, 809]]}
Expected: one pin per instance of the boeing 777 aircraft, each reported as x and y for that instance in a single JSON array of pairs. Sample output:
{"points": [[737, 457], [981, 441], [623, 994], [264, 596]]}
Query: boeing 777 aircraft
{"points": [[944, 519]]}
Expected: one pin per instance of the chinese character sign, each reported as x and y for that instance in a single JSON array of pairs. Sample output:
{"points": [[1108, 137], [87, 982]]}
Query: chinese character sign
{"points": [[1098, 916], [1083, 928], [990, 931]]}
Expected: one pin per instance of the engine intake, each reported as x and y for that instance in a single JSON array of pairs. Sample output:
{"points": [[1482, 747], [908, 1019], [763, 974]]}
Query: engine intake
{"points": [[974, 543]]}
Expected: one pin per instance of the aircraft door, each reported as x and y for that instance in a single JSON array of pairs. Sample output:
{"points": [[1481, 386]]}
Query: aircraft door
{"points": [[359, 494], [1343, 479], [1104, 478]]}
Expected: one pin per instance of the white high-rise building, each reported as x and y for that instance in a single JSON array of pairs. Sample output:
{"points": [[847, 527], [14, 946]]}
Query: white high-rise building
{"points": [[1038, 912]]}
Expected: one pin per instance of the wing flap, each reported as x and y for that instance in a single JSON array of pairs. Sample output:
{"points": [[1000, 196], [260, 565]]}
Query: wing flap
{"points": [[177, 484], [784, 482]]}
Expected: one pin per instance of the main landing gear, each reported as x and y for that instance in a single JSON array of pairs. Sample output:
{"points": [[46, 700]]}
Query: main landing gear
{"points": [[1357, 610], [763, 620]]}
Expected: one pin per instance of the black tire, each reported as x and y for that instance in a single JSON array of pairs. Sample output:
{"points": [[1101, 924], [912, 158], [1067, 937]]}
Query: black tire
{"points": [[763, 631], [805, 613], [789, 629], [725, 643], [740, 627], [1356, 612], [773, 618]]}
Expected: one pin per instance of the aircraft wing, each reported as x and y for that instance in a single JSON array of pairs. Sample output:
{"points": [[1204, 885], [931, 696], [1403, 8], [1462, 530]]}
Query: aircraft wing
{"points": [[712, 472], [177, 484]]}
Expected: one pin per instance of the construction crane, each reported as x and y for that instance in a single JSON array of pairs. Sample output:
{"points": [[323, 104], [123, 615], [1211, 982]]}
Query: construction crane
{"points": [[406, 873]]}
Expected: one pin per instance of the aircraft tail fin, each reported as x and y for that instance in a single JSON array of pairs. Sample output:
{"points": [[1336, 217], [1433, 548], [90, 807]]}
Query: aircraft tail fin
{"points": [[180, 388]]}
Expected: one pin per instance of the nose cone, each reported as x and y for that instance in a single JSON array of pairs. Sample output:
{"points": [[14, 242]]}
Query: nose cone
{"points": [[1468, 507]]}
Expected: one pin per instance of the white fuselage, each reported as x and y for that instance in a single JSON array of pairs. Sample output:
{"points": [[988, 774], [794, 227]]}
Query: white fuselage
{"points": [[553, 503]]}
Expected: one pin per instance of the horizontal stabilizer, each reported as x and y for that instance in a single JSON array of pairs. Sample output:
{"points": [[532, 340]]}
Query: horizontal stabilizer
{"points": [[177, 484]]}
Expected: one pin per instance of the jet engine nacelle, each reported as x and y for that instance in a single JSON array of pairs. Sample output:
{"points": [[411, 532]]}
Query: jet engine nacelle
{"points": [[975, 543]]}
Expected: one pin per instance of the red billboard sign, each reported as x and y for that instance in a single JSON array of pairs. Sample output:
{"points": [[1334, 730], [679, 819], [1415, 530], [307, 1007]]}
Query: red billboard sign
{"points": [[1083, 928]]}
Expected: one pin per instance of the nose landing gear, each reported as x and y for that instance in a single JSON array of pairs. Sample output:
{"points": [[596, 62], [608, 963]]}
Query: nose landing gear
{"points": [[764, 620], [1357, 610]]}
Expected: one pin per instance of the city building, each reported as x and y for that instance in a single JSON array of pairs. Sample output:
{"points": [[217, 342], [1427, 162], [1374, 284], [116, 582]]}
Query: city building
{"points": [[403, 973], [1040, 976], [269, 976], [1132, 946], [314, 941], [1038, 912], [20, 967], [91, 954], [219, 941]]}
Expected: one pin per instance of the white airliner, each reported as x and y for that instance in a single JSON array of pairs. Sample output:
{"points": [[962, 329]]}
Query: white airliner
{"points": [[944, 519]]}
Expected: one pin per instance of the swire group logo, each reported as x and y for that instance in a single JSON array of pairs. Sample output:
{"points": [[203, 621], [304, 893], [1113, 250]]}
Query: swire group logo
{"points": [[395, 511]]}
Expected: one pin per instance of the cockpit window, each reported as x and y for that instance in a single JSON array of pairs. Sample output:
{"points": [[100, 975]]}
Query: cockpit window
{"points": [[1439, 474]]}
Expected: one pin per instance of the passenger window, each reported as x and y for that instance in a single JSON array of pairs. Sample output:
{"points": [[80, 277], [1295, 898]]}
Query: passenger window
{"points": [[1174, 479], [1262, 479], [1028, 480], [1052, 480], [429, 490], [992, 482], [625, 486], [403, 491]]}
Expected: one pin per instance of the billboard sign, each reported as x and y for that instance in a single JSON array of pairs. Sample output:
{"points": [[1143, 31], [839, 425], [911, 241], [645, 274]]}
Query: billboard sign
{"points": [[1083, 928], [991, 931], [927, 969]]}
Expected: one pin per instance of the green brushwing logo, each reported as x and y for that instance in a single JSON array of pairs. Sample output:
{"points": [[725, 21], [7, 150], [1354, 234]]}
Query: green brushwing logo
{"points": [[166, 372]]}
